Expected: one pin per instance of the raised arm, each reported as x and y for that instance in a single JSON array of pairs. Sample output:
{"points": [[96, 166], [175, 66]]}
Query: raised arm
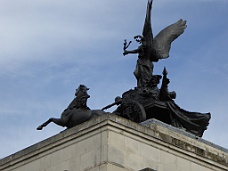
{"points": [[130, 51]]}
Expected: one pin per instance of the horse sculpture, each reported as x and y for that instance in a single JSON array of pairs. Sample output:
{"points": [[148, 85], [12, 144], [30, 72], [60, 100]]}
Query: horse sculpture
{"points": [[77, 112]]}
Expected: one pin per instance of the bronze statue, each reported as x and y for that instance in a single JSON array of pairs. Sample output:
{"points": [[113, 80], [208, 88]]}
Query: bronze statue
{"points": [[139, 105], [77, 112], [152, 49], [146, 100]]}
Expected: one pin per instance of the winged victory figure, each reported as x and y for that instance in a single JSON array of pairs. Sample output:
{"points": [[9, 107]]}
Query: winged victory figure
{"points": [[151, 48]]}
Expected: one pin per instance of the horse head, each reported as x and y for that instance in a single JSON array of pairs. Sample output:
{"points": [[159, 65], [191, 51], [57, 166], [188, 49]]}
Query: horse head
{"points": [[81, 91]]}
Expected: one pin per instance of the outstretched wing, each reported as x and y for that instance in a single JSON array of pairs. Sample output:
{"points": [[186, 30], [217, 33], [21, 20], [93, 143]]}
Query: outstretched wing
{"points": [[162, 42], [147, 30]]}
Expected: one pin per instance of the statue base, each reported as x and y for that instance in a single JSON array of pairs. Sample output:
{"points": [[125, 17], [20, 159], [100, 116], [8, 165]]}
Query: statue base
{"points": [[112, 143]]}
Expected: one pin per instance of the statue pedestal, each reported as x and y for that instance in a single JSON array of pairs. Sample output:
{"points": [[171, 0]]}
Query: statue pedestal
{"points": [[111, 143]]}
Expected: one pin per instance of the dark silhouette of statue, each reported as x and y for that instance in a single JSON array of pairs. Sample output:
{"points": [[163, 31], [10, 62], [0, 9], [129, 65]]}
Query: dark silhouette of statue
{"points": [[152, 49], [77, 112], [147, 100], [139, 105]]}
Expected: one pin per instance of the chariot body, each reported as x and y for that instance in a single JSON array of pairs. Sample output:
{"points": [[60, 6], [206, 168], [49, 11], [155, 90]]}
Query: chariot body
{"points": [[139, 108], [141, 104]]}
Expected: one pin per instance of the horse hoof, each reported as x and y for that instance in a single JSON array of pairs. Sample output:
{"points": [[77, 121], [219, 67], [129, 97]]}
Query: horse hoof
{"points": [[39, 128]]}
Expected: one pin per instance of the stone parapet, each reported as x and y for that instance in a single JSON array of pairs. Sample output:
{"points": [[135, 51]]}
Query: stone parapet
{"points": [[112, 143]]}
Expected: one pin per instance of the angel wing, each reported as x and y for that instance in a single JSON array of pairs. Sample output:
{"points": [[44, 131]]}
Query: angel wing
{"points": [[147, 29], [162, 42]]}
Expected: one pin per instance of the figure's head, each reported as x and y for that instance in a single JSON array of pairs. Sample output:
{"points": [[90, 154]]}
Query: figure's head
{"points": [[140, 39]]}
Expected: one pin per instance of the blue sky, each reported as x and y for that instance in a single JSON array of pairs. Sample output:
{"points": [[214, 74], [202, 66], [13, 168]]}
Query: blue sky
{"points": [[49, 47]]}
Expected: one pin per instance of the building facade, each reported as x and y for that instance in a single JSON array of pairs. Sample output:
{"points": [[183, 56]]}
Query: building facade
{"points": [[112, 143]]}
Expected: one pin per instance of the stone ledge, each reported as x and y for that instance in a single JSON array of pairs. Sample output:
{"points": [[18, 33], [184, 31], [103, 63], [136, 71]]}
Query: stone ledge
{"points": [[188, 142], [155, 131], [150, 122]]}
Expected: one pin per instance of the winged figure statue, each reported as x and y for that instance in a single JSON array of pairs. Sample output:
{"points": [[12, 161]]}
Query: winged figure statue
{"points": [[151, 48]]}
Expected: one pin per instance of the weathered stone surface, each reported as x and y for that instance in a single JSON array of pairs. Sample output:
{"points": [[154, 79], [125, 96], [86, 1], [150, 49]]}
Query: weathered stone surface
{"points": [[111, 143]]}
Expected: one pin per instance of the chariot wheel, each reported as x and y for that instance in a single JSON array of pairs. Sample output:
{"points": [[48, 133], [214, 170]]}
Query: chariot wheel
{"points": [[134, 111]]}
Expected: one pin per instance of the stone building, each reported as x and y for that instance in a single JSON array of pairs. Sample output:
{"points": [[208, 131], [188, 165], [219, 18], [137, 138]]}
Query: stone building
{"points": [[112, 143]]}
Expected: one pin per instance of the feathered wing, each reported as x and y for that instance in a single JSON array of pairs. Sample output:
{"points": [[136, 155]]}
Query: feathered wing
{"points": [[147, 29], [162, 42]]}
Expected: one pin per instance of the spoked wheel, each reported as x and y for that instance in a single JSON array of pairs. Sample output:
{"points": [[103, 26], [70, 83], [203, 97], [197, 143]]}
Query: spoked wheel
{"points": [[134, 111]]}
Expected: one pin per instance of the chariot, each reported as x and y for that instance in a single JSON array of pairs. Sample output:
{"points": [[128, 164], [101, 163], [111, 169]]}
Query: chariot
{"points": [[138, 107]]}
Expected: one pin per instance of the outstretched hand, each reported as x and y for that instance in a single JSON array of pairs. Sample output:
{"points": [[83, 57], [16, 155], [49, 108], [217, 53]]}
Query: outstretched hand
{"points": [[125, 52]]}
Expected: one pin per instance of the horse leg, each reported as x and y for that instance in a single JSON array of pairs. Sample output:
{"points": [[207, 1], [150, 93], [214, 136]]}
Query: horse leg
{"points": [[58, 121]]}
